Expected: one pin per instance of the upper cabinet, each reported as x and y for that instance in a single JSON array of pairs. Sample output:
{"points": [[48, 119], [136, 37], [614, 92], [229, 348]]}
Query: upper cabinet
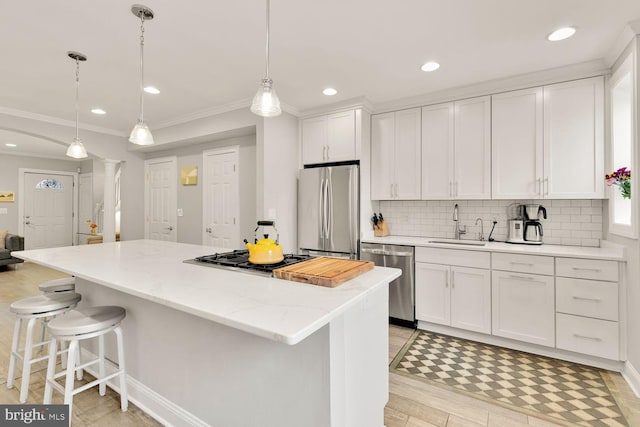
{"points": [[329, 138], [548, 143], [456, 150], [516, 140], [395, 155], [574, 139]]}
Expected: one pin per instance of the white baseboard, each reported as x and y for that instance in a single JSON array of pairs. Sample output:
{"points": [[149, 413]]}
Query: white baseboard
{"points": [[632, 376], [161, 409]]}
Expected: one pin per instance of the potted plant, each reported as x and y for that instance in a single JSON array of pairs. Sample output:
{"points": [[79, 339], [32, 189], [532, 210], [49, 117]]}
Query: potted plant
{"points": [[621, 178]]}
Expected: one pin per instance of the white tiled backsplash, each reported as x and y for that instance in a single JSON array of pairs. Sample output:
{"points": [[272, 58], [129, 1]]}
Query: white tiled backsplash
{"points": [[569, 222]]}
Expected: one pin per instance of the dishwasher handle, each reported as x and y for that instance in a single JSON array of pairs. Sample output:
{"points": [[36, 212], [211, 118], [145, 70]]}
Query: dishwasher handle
{"points": [[384, 252]]}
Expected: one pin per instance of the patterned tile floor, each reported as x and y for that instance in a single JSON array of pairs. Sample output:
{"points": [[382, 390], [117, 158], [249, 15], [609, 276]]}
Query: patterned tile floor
{"points": [[574, 393]]}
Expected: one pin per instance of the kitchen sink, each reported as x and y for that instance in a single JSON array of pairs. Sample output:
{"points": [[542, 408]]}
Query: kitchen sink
{"points": [[459, 242]]}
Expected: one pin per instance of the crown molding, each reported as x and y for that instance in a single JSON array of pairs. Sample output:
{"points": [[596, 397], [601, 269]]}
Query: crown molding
{"points": [[347, 104], [57, 121], [490, 87], [629, 32]]}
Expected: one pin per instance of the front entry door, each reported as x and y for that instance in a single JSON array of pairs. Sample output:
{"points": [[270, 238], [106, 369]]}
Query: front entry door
{"points": [[48, 210], [161, 215], [221, 199]]}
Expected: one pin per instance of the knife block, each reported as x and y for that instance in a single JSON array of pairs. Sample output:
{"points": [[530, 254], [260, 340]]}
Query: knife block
{"points": [[381, 229]]}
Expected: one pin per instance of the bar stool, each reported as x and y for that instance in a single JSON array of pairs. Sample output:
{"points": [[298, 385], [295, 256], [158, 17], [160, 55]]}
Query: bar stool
{"points": [[39, 308], [58, 285], [77, 325]]}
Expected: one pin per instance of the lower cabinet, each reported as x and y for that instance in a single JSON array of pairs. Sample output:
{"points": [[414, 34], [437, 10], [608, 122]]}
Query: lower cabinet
{"points": [[524, 307], [454, 296]]}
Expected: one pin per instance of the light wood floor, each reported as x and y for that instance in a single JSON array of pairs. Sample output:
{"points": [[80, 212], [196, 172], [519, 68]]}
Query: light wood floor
{"points": [[412, 403]]}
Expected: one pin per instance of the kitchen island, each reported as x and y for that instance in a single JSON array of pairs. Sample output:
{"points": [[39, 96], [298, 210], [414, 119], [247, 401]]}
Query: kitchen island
{"points": [[207, 346]]}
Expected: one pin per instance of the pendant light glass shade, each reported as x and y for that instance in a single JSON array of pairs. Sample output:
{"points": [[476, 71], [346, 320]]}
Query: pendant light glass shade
{"points": [[76, 149], [266, 102], [141, 134]]}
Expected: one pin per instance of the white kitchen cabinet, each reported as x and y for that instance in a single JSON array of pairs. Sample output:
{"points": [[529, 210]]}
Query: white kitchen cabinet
{"points": [[516, 144], [329, 138], [574, 139], [395, 155], [523, 307], [454, 295], [456, 150]]}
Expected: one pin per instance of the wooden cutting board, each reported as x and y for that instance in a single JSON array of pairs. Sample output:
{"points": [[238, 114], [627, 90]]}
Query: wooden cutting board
{"points": [[323, 271]]}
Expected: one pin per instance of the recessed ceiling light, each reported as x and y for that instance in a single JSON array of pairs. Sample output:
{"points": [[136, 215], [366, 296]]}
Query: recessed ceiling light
{"points": [[430, 66], [329, 91], [99, 111], [11, 145], [561, 34], [151, 89]]}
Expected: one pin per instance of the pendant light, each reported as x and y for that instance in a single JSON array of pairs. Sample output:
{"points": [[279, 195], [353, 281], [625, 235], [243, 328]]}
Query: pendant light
{"points": [[141, 135], [266, 102], [76, 149]]}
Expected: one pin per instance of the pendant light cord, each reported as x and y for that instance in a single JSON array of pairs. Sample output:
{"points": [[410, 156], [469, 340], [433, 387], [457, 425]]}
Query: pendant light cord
{"points": [[141, 66], [267, 66], [77, 96]]}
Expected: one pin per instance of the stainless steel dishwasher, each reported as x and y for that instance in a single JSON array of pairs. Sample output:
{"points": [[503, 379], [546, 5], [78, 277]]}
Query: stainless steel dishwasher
{"points": [[401, 290]]}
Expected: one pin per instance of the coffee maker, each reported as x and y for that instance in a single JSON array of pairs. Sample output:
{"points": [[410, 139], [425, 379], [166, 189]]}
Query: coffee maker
{"points": [[525, 227]]}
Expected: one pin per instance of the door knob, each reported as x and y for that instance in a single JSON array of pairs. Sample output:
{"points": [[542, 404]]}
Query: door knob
{"points": [[27, 222], [170, 228]]}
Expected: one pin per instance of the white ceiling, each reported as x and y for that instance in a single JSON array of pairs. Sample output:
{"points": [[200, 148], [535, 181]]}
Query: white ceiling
{"points": [[206, 54]]}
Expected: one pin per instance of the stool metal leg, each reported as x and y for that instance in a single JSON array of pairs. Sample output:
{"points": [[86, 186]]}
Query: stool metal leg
{"points": [[124, 403], [17, 329], [26, 365], [51, 371], [71, 365], [103, 386]]}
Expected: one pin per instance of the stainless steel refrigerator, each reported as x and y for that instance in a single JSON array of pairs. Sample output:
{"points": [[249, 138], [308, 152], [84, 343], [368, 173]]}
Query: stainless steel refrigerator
{"points": [[328, 211]]}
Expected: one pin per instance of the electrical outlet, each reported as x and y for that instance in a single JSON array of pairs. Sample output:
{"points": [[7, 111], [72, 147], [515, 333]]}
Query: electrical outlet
{"points": [[180, 213]]}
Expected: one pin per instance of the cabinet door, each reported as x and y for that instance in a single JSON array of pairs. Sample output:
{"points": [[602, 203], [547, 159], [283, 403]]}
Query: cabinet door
{"points": [[471, 299], [523, 307], [516, 144], [382, 155], [574, 139], [314, 140], [437, 152], [341, 136], [407, 154], [472, 149], [433, 299]]}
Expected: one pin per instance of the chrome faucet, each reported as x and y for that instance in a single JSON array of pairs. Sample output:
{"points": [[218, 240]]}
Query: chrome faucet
{"points": [[481, 234], [459, 229]]}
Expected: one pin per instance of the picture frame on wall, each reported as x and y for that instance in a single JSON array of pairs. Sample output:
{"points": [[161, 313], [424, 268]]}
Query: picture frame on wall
{"points": [[7, 196], [189, 175]]}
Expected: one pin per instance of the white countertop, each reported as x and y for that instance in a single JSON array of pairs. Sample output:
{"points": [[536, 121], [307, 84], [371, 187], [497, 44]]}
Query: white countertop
{"points": [[608, 250], [276, 309]]}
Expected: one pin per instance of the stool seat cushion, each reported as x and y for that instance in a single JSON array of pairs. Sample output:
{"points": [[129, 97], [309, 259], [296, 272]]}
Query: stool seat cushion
{"points": [[58, 285], [45, 303], [86, 320]]}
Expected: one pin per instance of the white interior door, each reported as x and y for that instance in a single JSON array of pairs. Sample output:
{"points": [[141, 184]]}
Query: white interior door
{"points": [[161, 215], [48, 210], [221, 199], [85, 203]]}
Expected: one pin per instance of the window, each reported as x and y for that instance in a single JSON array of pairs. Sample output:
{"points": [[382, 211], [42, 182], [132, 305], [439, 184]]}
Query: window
{"points": [[50, 183], [622, 210]]}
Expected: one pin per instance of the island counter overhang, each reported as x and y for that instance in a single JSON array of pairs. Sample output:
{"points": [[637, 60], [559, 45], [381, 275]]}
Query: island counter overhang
{"points": [[311, 345]]}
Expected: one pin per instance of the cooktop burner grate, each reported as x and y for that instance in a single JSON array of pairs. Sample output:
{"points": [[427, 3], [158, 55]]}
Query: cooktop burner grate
{"points": [[240, 259]]}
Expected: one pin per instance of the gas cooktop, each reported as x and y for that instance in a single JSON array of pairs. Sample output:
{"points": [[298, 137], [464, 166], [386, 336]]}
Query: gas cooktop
{"points": [[239, 259]]}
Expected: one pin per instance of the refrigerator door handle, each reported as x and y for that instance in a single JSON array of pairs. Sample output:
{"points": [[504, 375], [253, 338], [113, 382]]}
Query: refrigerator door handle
{"points": [[322, 210], [329, 190], [325, 213]]}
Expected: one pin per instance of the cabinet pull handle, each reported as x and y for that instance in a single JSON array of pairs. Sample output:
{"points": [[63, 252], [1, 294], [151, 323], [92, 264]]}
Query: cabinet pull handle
{"points": [[546, 186], [450, 188], [597, 270], [539, 185], [530, 264], [324, 152], [522, 277], [446, 281], [396, 190], [586, 299], [456, 189], [587, 337], [328, 152]]}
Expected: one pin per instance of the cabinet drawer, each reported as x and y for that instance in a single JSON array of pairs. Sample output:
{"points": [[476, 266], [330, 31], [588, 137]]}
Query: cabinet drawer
{"points": [[523, 263], [474, 259], [587, 298], [588, 336], [587, 269]]}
